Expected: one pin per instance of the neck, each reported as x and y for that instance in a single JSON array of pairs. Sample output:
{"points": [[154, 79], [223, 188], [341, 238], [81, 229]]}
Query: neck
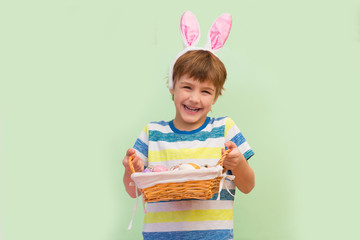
{"points": [[187, 126]]}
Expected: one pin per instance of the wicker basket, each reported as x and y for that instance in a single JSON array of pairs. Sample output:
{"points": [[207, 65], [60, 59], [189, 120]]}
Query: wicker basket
{"points": [[194, 189]]}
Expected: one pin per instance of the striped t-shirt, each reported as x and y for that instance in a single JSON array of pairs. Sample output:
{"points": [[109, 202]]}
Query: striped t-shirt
{"points": [[160, 143]]}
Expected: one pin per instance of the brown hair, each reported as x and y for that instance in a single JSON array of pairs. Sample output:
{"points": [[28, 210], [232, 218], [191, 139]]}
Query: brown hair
{"points": [[201, 65]]}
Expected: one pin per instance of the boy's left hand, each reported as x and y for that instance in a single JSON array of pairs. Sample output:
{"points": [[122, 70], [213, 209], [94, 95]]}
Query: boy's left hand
{"points": [[234, 159]]}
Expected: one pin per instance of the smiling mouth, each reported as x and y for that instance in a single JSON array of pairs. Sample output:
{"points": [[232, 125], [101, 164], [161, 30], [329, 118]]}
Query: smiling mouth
{"points": [[191, 109]]}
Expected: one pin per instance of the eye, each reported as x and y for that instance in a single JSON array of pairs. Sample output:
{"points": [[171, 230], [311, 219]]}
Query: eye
{"points": [[206, 92], [186, 87]]}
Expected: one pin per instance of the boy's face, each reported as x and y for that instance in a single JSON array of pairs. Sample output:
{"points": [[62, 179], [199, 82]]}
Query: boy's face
{"points": [[193, 100]]}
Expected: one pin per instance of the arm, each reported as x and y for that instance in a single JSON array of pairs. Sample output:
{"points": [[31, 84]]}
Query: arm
{"points": [[138, 166], [235, 161]]}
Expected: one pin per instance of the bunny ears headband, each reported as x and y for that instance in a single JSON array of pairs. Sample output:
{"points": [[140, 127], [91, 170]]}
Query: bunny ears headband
{"points": [[190, 33]]}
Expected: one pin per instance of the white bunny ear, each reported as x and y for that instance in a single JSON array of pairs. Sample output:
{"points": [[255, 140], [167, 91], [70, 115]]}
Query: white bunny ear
{"points": [[219, 32], [190, 29]]}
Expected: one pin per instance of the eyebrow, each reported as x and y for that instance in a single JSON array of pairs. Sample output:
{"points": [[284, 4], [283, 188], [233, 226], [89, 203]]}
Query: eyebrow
{"points": [[186, 82]]}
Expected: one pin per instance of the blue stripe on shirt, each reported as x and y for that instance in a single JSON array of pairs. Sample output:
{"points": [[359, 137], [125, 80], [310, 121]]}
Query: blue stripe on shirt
{"points": [[141, 147], [248, 154], [221, 234], [224, 195], [164, 123], [212, 120], [173, 137], [238, 139]]}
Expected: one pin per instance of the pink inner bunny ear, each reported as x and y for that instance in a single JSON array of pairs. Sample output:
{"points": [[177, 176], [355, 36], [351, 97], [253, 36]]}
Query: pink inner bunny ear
{"points": [[189, 28], [220, 31]]}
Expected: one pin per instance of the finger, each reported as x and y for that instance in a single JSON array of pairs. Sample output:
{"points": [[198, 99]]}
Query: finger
{"points": [[138, 164], [230, 145], [137, 161], [130, 152]]}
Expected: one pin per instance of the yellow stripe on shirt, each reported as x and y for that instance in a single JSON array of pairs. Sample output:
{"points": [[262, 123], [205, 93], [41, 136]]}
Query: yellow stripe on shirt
{"points": [[228, 125], [146, 130], [189, 216], [185, 153]]}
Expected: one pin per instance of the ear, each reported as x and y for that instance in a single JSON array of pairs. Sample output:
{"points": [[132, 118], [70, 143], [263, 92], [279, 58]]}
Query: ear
{"points": [[190, 30], [171, 91], [219, 32]]}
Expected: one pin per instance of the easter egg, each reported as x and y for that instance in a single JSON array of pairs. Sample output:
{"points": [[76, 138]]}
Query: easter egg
{"points": [[159, 168], [186, 166], [194, 165], [147, 170]]}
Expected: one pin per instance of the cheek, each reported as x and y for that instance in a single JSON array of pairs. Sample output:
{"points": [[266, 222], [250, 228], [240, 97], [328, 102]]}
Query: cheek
{"points": [[179, 96], [211, 100], [177, 99]]}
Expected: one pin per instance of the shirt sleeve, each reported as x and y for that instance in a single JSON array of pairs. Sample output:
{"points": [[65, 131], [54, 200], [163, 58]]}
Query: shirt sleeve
{"points": [[232, 133], [141, 145]]}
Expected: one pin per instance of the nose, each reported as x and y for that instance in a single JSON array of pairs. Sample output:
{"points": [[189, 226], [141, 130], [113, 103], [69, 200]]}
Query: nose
{"points": [[194, 97]]}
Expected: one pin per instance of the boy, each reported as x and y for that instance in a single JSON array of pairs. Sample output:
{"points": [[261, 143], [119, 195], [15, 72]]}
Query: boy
{"points": [[197, 80]]}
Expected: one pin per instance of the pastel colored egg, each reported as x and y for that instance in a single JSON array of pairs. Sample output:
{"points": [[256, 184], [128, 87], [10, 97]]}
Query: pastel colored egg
{"points": [[147, 170], [194, 165], [186, 166], [159, 168]]}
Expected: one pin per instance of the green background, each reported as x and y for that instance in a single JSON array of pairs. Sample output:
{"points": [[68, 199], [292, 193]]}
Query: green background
{"points": [[79, 79]]}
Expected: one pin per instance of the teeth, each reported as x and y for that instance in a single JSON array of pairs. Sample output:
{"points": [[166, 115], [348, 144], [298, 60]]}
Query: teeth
{"points": [[192, 109]]}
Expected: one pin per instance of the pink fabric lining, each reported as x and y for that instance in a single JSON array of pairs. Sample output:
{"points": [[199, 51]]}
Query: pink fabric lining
{"points": [[220, 31], [189, 28]]}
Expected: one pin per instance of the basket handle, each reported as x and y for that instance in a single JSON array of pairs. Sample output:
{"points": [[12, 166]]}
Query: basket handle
{"points": [[131, 158], [221, 161]]}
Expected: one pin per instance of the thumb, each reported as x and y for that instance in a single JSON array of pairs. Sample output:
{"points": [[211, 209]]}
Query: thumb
{"points": [[130, 152], [230, 145]]}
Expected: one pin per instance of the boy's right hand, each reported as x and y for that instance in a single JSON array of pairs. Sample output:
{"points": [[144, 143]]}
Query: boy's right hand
{"points": [[137, 161]]}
